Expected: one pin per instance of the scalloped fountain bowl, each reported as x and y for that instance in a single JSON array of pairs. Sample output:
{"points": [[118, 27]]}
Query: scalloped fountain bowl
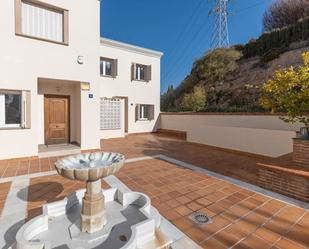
{"points": [[90, 166]]}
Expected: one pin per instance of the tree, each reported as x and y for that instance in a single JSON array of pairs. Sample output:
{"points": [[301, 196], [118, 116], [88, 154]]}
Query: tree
{"points": [[288, 91], [282, 13], [217, 64], [196, 100]]}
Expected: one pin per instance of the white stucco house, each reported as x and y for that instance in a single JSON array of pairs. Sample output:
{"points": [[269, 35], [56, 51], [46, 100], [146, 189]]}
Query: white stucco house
{"points": [[61, 83]]}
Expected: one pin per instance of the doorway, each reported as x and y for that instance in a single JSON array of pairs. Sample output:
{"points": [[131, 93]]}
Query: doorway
{"points": [[56, 119]]}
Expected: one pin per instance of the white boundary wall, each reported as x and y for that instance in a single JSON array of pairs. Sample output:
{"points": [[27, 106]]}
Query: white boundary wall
{"points": [[259, 134]]}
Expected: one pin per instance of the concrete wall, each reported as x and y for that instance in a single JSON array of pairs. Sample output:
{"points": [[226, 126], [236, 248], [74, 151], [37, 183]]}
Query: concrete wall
{"points": [[259, 134]]}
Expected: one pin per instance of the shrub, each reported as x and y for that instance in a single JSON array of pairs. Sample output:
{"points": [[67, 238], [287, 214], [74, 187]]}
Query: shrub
{"points": [[288, 91], [195, 101], [271, 55], [282, 13], [278, 38]]}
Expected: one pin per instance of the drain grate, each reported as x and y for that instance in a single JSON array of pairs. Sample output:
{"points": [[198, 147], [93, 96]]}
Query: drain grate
{"points": [[200, 218]]}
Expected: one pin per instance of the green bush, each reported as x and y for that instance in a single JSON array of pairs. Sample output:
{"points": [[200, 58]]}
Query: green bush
{"points": [[272, 54], [277, 39]]}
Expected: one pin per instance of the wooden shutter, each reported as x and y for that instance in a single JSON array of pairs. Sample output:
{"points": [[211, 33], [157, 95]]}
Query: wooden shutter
{"points": [[133, 71], [26, 109], [148, 73], [115, 68], [151, 112], [137, 112]]}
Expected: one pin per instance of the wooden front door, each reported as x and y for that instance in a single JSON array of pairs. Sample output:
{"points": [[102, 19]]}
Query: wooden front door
{"points": [[57, 121]]}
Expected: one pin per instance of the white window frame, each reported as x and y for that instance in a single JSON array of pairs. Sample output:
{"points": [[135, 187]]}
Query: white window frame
{"points": [[104, 62], [47, 34], [3, 125], [138, 72], [142, 111]]}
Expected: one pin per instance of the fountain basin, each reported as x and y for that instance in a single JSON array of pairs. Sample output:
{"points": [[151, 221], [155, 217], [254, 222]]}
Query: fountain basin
{"points": [[132, 224], [90, 166]]}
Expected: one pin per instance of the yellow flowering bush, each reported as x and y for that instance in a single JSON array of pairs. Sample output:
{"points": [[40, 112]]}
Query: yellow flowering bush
{"points": [[288, 92]]}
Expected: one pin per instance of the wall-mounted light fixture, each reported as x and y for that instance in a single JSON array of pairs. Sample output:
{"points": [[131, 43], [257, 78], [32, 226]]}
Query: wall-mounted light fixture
{"points": [[80, 59]]}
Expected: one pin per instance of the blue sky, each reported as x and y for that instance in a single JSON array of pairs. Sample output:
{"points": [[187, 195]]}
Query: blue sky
{"points": [[181, 29]]}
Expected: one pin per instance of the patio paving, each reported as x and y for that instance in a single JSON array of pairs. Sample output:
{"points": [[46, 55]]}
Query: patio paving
{"points": [[241, 218], [241, 166]]}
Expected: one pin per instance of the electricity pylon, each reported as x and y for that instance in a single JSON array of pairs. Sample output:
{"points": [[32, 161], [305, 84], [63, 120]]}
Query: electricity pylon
{"points": [[220, 36]]}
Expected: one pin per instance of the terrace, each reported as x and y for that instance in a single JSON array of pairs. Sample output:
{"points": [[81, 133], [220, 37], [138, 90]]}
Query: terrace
{"points": [[181, 178]]}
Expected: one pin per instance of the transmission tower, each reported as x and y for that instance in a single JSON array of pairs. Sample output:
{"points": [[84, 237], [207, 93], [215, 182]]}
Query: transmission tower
{"points": [[220, 36]]}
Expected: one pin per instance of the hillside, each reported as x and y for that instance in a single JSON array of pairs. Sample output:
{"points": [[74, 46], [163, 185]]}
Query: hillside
{"points": [[232, 77]]}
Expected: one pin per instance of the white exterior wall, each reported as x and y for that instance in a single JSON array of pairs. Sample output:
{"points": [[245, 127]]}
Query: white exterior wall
{"points": [[138, 92], [24, 60], [259, 134]]}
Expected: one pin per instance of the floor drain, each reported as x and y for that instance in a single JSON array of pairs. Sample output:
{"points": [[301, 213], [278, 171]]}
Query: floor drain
{"points": [[123, 238], [200, 218]]}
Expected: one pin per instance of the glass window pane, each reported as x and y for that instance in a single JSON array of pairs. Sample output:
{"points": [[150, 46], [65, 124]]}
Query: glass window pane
{"points": [[142, 74], [101, 67], [137, 72], [108, 68], [146, 112], [12, 109]]}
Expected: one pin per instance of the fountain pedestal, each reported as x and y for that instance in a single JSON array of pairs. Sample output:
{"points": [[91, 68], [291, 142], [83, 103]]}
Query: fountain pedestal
{"points": [[93, 215]]}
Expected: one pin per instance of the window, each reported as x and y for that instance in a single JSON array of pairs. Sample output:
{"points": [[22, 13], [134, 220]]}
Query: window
{"points": [[14, 109], [144, 112], [42, 21], [110, 114], [141, 72], [108, 67]]}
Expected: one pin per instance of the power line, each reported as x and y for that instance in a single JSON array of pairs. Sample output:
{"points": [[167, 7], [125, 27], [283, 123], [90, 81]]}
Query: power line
{"points": [[183, 35], [186, 48], [180, 62], [190, 21]]}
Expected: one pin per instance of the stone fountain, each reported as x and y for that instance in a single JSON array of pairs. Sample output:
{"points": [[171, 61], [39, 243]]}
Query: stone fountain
{"points": [[94, 218]]}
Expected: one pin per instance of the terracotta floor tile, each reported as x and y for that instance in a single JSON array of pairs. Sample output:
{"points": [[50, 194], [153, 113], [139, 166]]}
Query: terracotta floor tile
{"points": [[239, 210], [287, 244], [203, 201], [299, 234], [173, 203], [237, 231], [183, 199], [255, 242], [183, 210], [267, 235], [213, 244], [171, 215], [193, 196], [246, 226], [255, 218], [184, 223], [217, 209], [197, 234], [226, 238], [194, 206]]}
